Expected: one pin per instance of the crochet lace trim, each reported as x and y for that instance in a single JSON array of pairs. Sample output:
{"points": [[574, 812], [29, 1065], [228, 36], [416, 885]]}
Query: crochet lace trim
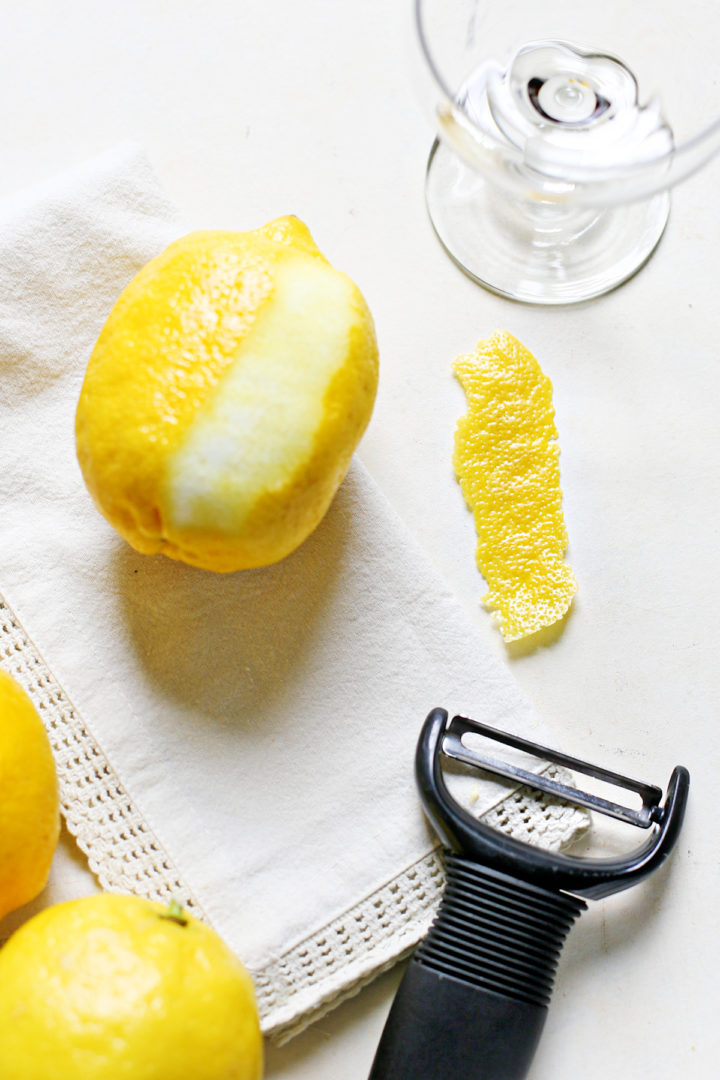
{"points": [[312, 977]]}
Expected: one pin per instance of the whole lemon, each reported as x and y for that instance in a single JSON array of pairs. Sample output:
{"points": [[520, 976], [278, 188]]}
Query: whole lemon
{"points": [[117, 986], [226, 395], [29, 810]]}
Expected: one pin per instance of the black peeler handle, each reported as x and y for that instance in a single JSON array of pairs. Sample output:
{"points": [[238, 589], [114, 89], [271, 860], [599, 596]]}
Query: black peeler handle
{"points": [[442, 1029], [473, 1000]]}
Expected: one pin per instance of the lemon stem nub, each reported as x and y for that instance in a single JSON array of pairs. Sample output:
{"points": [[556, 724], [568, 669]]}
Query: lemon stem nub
{"points": [[176, 913]]}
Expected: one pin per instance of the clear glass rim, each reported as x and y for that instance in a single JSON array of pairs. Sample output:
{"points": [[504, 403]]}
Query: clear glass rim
{"points": [[682, 160]]}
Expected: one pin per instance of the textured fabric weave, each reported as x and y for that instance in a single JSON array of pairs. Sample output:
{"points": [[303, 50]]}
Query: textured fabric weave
{"points": [[241, 742]]}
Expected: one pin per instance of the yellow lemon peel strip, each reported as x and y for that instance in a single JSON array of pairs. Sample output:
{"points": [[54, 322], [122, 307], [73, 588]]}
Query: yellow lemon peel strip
{"points": [[506, 459]]}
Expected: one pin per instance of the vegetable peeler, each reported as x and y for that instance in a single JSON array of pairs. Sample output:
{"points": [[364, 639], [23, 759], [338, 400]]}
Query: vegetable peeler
{"points": [[475, 994]]}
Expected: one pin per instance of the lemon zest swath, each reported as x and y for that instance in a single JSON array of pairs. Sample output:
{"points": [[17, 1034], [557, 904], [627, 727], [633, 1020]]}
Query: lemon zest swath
{"points": [[506, 459]]}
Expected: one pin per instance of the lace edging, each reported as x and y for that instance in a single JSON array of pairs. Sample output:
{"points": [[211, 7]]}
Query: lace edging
{"points": [[122, 851], [327, 968], [314, 976]]}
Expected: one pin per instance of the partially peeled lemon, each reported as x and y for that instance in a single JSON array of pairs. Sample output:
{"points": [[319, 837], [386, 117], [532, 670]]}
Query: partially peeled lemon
{"points": [[226, 395]]}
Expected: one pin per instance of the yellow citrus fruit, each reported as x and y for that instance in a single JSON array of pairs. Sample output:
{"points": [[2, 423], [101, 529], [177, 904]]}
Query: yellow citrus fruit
{"points": [[118, 987], [506, 460], [29, 810], [225, 396]]}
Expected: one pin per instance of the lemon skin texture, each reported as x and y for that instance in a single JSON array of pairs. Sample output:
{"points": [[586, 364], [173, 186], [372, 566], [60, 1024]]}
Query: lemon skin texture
{"points": [[225, 397], [506, 459], [108, 987], [29, 809]]}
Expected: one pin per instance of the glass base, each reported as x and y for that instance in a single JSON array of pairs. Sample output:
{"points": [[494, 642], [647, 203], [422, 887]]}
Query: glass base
{"points": [[536, 252]]}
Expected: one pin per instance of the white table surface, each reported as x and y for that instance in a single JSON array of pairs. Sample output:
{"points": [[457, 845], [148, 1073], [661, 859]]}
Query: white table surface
{"points": [[251, 109]]}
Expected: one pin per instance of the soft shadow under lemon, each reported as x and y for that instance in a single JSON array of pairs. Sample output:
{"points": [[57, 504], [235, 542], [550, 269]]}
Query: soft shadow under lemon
{"points": [[224, 645]]}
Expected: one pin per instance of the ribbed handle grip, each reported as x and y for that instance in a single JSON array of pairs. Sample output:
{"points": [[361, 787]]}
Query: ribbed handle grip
{"points": [[473, 1000]]}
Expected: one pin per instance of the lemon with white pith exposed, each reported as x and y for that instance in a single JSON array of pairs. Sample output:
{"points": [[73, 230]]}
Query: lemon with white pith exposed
{"points": [[226, 395]]}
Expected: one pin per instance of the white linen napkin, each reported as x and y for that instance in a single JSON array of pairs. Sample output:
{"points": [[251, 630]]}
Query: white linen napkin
{"points": [[244, 742]]}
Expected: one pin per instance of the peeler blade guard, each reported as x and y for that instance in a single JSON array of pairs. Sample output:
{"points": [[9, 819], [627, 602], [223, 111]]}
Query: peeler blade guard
{"points": [[587, 877]]}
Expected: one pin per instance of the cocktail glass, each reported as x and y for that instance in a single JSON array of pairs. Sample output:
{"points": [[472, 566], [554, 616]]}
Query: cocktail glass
{"points": [[562, 125]]}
